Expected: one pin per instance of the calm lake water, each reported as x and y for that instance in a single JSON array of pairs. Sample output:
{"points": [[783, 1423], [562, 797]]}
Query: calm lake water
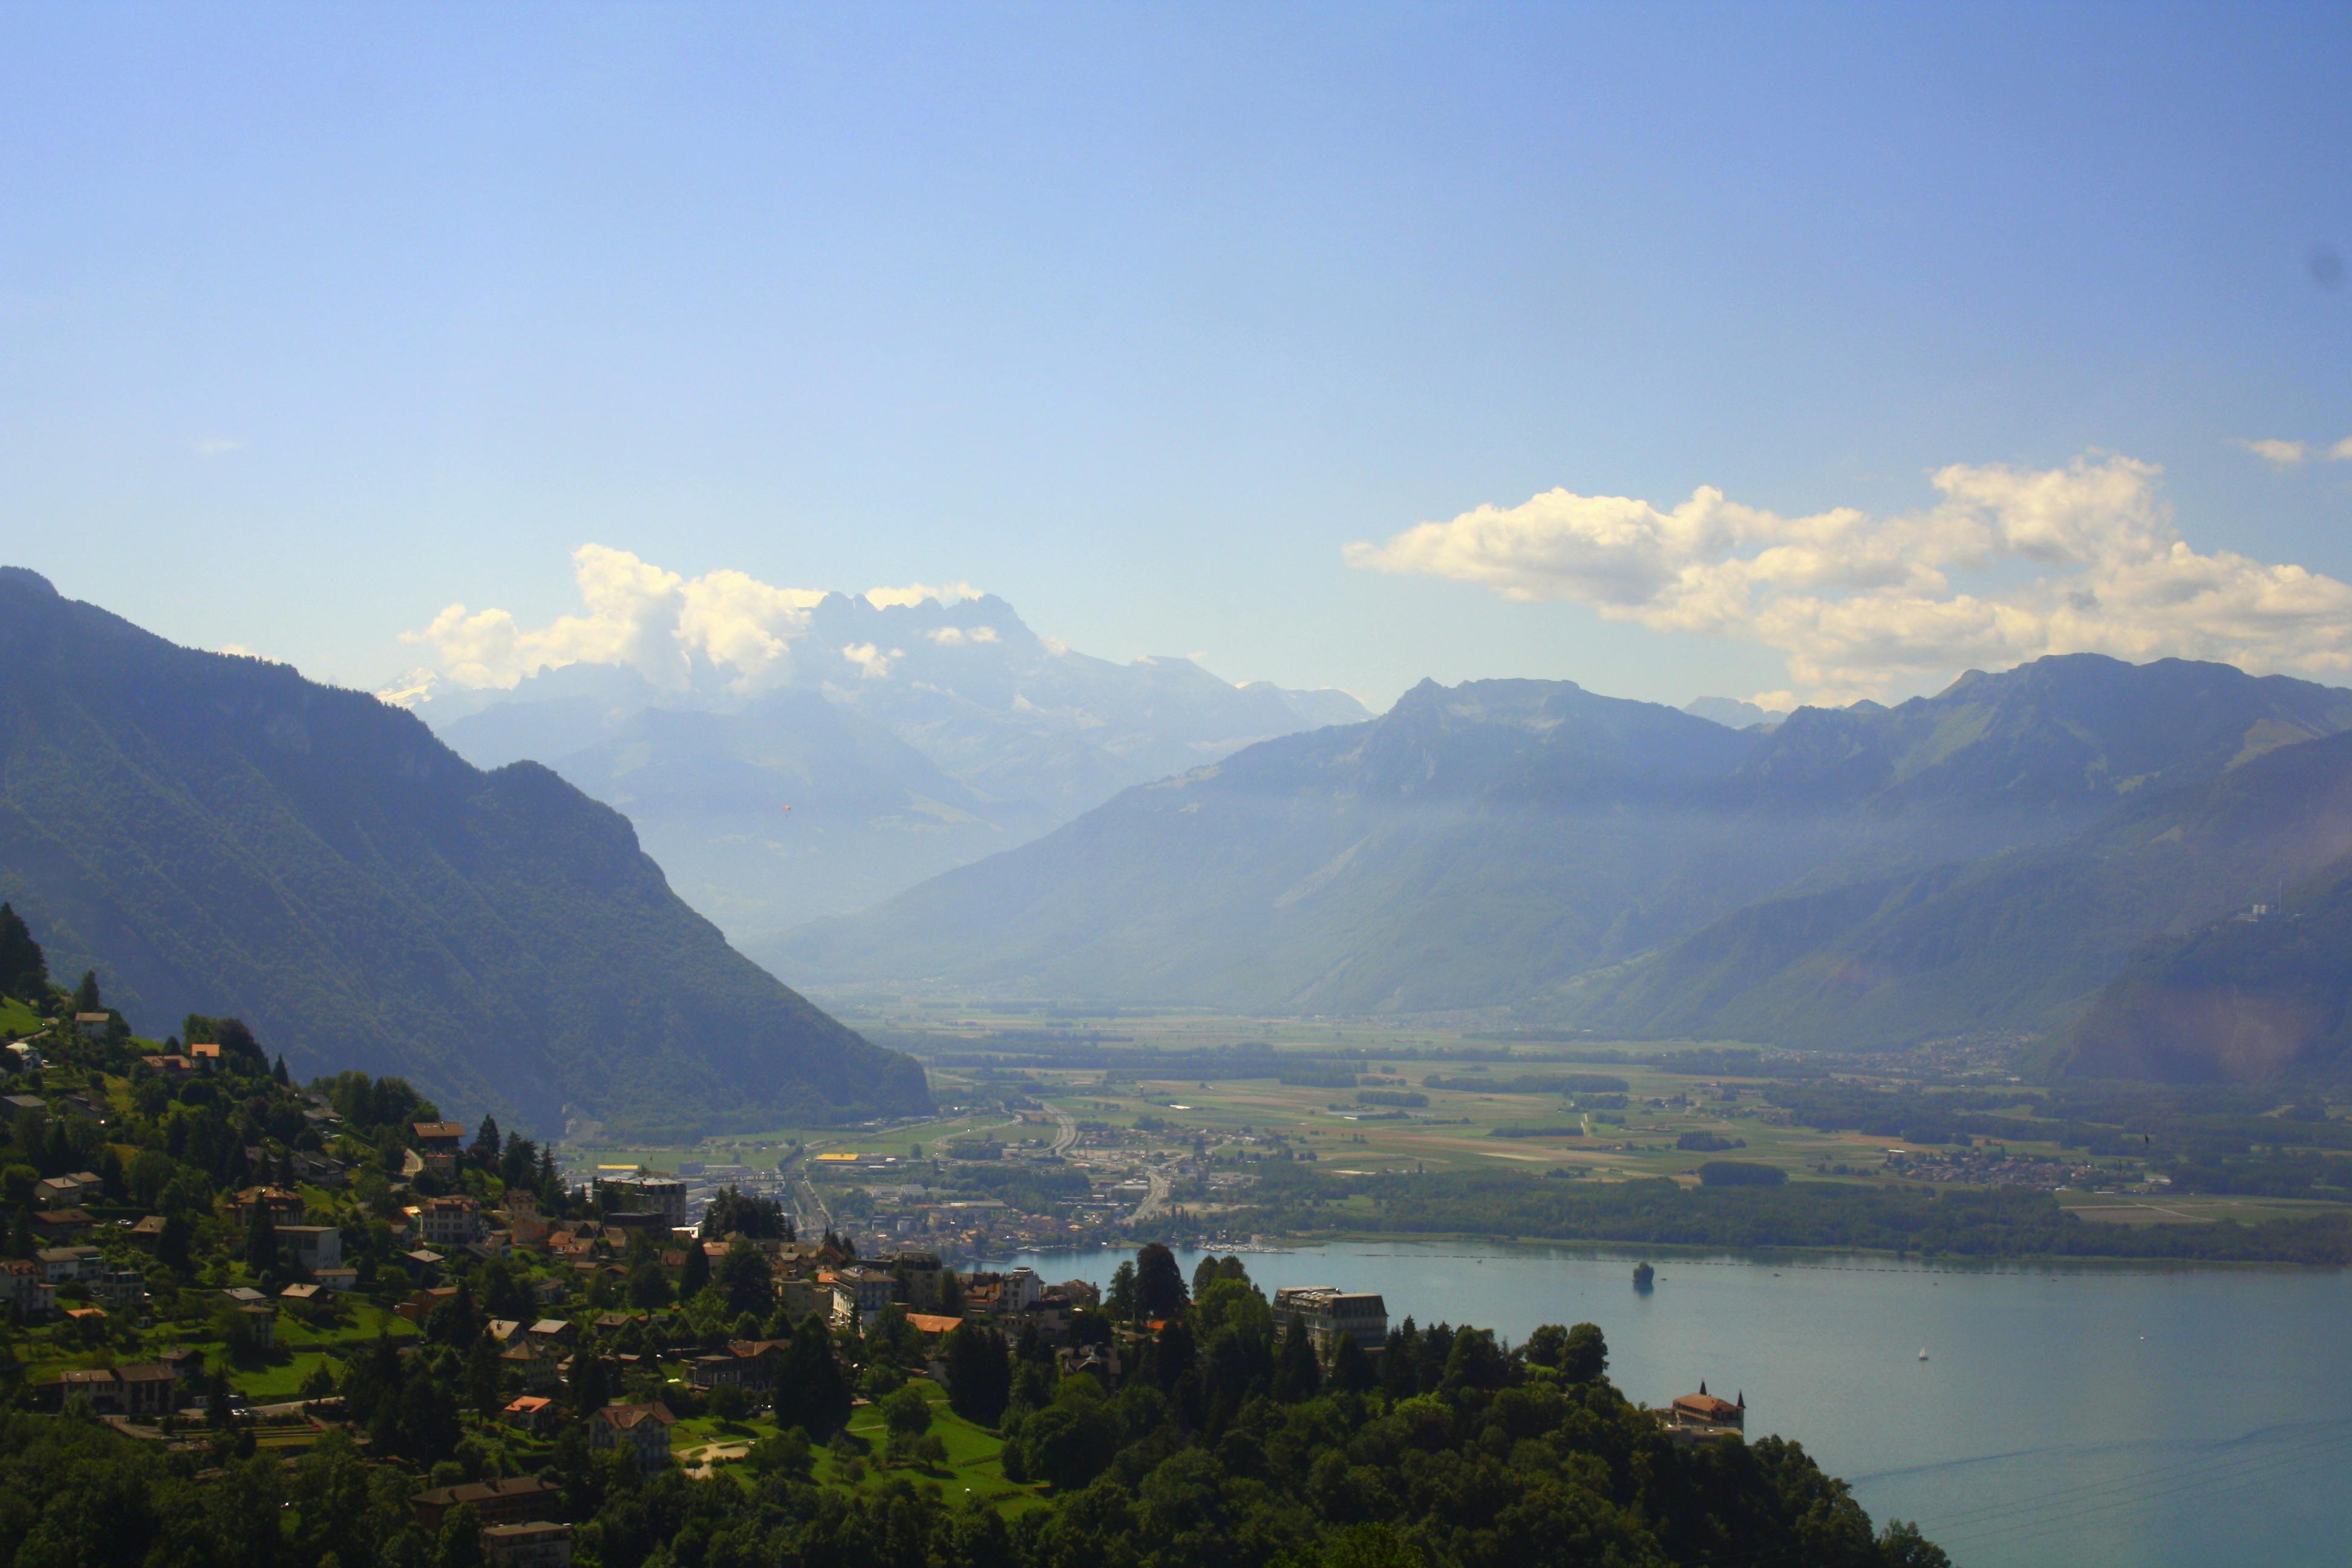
{"points": [[2091, 1419]]}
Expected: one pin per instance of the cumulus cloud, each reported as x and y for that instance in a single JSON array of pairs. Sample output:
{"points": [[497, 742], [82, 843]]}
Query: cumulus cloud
{"points": [[2342, 451], [952, 636], [916, 593], [660, 623], [2008, 565], [871, 661], [2278, 454]]}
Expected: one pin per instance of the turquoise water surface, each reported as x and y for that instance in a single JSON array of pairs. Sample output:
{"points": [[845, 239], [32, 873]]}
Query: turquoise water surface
{"points": [[2088, 1417]]}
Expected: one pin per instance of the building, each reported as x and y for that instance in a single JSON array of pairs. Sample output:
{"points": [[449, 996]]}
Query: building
{"points": [[65, 1191], [859, 1293], [657, 1195], [25, 1286], [744, 1363], [920, 1273], [529, 1412], [92, 1025], [283, 1205], [641, 1431], [512, 1500], [123, 1289], [1705, 1414], [262, 1318], [448, 1222], [439, 1144], [538, 1544], [1328, 1311], [147, 1390], [60, 1264], [318, 1245]]}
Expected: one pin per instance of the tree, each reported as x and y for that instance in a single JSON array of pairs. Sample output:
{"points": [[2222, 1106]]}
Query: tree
{"points": [[696, 1274], [589, 1391], [1351, 1369], [484, 1149], [1296, 1374], [733, 1212], [260, 1241], [85, 997], [1119, 1300], [810, 1392], [745, 1278], [978, 1372], [1158, 1283], [23, 971], [907, 1415], [1584, 1354]]}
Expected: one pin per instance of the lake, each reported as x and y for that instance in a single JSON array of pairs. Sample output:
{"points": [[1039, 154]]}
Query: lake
{"points": [[2090, 1417]]}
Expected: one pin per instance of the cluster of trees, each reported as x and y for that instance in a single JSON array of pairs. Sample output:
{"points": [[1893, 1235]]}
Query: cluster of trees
{"points": [[2000, 1222], [2201, 1138]]}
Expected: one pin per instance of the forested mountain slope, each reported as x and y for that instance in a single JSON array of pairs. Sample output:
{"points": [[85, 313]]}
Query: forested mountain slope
{"points": [[1531, 845], [2021, 940], [217, 834]]}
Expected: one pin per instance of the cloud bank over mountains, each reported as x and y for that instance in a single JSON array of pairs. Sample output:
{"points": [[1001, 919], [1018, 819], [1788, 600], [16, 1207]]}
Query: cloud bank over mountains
{"points": [[2008, 565], [658, 623]]}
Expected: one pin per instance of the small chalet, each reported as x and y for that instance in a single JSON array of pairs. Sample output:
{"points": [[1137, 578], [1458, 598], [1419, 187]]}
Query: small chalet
{"points": [[532, 1413], [439, 1143]]}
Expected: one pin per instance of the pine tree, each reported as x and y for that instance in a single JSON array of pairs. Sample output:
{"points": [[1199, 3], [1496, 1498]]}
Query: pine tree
{"points": [[85, 997], [23, 971], [696, 1275], [1296, 1376]]}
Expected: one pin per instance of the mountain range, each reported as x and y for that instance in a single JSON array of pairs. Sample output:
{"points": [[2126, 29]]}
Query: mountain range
{"points": [[214, 834], [896, 741], [1988, 858]]}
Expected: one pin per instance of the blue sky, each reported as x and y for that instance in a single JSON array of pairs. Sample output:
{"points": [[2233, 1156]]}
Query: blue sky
{"points": [[315, 320]]}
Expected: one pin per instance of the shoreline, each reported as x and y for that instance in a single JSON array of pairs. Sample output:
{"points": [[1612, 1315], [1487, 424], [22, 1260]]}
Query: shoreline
{"points": [[2047, 1263]]}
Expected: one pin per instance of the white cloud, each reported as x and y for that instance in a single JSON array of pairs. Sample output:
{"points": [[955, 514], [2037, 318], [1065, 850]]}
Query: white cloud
{"points": [[952, 637], [2278, 454], [2342, 451], [871, 661], [1857, 604], [637, 613], [214, 446], [916, 593]]}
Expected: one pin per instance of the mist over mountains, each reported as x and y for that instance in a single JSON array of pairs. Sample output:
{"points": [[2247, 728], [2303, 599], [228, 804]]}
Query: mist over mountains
{"points": [[896, 740], [216, 835], [1985, 860]]}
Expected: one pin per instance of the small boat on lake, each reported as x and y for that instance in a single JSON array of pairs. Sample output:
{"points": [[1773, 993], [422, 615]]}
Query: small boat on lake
{"points": [[1923, 1353]]}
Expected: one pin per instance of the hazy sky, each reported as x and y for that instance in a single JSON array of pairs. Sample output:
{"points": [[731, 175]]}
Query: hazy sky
{"points": [[314, 321]]}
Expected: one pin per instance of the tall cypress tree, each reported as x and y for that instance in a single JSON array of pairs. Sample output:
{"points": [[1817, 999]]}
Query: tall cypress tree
{"points": [[23, 971], [85, 997]]}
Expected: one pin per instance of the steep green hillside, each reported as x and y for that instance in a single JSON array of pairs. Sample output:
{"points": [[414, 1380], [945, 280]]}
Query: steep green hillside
{"points": [[2020, 941], [2244, 999], [218, 835]]}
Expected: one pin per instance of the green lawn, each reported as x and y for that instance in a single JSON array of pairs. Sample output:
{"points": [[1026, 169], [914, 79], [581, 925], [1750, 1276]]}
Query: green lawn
{"points": [[974, 1467]]}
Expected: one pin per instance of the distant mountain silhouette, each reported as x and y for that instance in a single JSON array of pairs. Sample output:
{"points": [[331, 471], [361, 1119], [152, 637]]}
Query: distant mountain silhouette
{"points": [[1969, 861], [217, 834], [906, 740]]}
